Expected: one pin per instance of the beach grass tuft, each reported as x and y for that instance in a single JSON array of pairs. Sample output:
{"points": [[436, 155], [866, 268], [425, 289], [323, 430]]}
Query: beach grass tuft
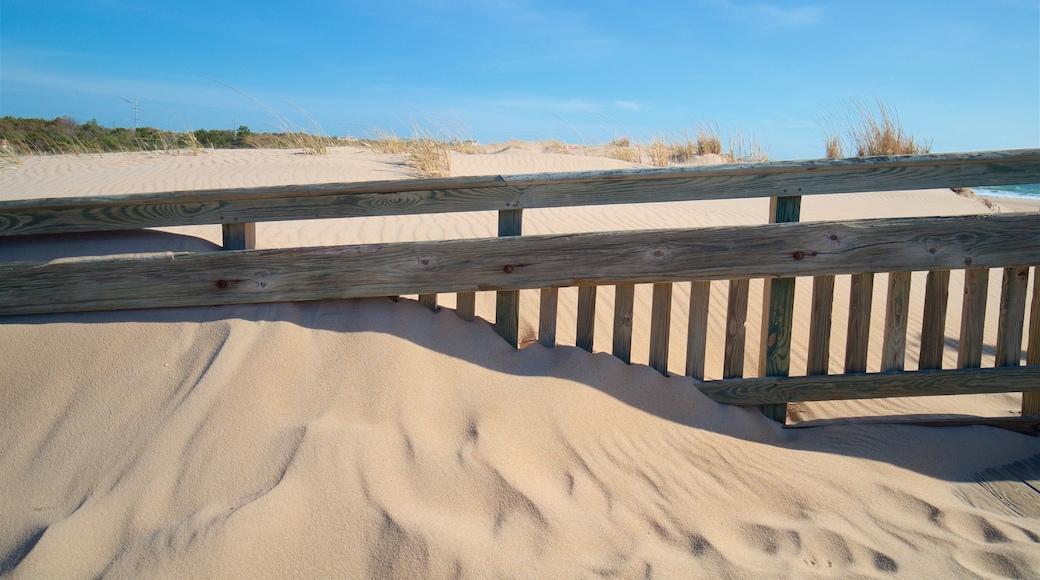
{"points": [[868, 129]]}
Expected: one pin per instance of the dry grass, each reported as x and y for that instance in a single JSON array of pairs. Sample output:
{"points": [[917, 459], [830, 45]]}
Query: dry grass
{"points": [[387, 143], [620, 148], [746, 147], [709, 140], [659, 153], [871, 129], [834, 148], [430, 154]]}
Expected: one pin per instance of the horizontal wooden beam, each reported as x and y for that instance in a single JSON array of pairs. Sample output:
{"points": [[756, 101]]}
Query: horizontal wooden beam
{"points": [[772, 390], [513, 263], [418, 196]]}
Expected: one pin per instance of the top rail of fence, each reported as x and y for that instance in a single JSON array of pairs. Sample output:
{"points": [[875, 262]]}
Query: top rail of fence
{"points": [[495, 193]]}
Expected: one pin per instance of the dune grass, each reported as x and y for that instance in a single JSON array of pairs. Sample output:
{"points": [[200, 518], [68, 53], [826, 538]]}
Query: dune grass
{"points": [[869, 129]]}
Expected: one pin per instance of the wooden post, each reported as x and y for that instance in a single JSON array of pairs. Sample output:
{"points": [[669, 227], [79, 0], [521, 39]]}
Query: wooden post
{"points": [[429, 301], [858, 337], [973, 318], [697, 331], [819, 354], [239, 236], [736, 318], [660, 323], [586, 331], [893, 356], [1031, 400], [1012, 316], [466, 305], [547, 303], [624, 300], [933, 329], [507, 302], [777, 310]]}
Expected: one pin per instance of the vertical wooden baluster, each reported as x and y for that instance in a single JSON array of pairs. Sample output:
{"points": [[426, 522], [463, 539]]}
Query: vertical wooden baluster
{"points": [[586, 330], [1012, 316], [507, 302], [239, 236], [858, 337], [466, 305], [819, 355], [893, 355], [697, 331], [933, 329], [777, 311], [624, 300], [973, 318], [429, 301], [1031, 400], [547, 303], [660, 323], [736, 331]]}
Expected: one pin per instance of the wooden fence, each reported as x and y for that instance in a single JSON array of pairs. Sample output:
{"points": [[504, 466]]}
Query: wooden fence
{"points": [[777, 252]]}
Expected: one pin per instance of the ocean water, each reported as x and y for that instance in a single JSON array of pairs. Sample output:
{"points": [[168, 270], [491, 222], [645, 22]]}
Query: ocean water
{"points": [[1030, 191]]}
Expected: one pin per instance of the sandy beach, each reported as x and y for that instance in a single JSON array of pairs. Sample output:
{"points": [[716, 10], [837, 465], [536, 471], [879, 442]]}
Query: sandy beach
{"points": [[372, 438]]}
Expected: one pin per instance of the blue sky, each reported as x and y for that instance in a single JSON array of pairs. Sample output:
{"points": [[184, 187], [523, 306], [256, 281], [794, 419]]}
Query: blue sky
{"points": [[965, 74]]}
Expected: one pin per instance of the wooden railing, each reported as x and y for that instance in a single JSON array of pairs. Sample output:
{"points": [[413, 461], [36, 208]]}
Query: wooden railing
{"points": [[777, 252]]}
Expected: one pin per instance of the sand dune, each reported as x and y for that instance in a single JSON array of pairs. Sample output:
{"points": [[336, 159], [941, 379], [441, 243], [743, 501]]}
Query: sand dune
{"points": [[373, 438]]}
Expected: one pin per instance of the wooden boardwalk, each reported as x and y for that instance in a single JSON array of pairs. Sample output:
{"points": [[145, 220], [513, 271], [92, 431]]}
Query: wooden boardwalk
{"points": [[1012, 490]]}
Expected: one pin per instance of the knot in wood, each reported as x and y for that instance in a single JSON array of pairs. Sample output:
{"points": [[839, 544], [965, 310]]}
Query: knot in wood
{"points": [[507, 269], [798, 255], [221, 283]]}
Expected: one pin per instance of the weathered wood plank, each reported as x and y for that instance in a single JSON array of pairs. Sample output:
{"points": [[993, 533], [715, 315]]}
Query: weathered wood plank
{"points": [[697, 331], [190, 279], [973, 318], [429, 301], [818, 357], [1031, 401], [660, 327], [507, 302], [624, 300], [493, 193], [933, 329], [239, 236], [736, 329], [586, 324], [858, 336], [765, 390], [893, 353], [777, 311], [466, 305], [1012, 316], [548, 300]]}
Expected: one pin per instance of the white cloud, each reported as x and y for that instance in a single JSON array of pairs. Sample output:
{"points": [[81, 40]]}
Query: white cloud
{"points": [[628, 105]]}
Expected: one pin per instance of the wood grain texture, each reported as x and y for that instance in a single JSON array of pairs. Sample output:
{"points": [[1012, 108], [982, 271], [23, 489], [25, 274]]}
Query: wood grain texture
{"points": [[697, 330], [660, 327], [1012, 316], [239, 236], [466, 305], [493, 193], [893, 350], [777, 311], [548, 300], [316, 273], [736, 330], [933, 329], [624, 301], [858, 337], [973, 318], [586, 324], [507, 302], [765, 390], [1031, 401], [818, 356]]}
